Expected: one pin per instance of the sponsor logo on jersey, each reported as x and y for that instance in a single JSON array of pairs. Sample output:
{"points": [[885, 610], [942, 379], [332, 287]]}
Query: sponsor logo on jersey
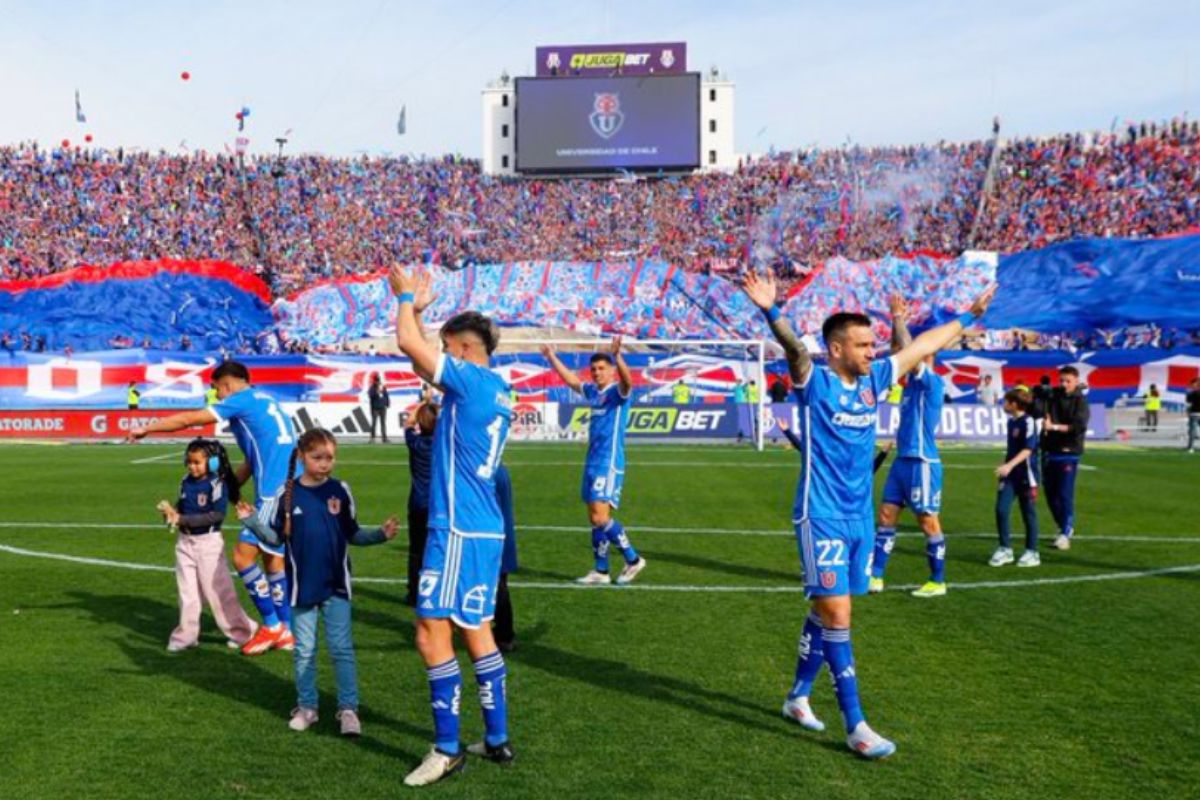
{"points": [[854, 420]]}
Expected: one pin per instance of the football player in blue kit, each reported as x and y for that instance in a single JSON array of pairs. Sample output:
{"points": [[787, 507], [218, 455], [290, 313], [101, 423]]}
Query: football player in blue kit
{"points": [[832, 514], [264, 433], [609, 395], [461, 568], [915, 477]]}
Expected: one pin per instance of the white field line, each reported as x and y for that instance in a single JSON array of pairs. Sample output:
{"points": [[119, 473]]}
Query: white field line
{"points": [[155, 459], [1081, 538], [650, 587]]}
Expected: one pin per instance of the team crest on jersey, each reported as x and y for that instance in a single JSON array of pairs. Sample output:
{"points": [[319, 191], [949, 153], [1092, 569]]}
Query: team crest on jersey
{"points": [[868, 397], [202, 500], [828, 580], [335, 505]]}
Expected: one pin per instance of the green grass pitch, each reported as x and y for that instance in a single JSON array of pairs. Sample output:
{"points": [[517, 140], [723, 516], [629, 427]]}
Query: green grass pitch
{"points": [[1083, 684]]}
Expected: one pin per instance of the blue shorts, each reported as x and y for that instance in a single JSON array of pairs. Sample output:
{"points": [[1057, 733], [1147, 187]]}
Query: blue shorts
{"points": [[602, 485], [835, 555], [266, 512], [459, 577], [914, 483]]}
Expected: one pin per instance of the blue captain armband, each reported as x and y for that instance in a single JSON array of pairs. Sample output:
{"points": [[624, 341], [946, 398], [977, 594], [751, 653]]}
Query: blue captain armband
{"points": [[773, 313], [967, 319], [406, 297]]}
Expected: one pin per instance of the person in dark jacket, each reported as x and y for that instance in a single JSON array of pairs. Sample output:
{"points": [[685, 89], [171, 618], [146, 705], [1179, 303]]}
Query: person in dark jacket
{"points": [[503, 626], [1193, 409], [380, 402], [418, 435], [1064, 429]]}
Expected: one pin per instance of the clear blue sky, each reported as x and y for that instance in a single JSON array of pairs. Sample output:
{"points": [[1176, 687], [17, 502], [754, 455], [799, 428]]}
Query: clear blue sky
{"points": [[337, 72]]}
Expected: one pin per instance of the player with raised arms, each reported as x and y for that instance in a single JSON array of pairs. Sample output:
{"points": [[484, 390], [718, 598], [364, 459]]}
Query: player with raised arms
{"points": [[461, 568], [915, 477], [833, 507], [608, 394], [265, 434]]}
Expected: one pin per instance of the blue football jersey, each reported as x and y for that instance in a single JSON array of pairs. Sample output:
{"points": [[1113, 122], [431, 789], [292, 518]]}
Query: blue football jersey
{"points": [[920, 413], [606, 426], [837, 435], [1023, 435], [467, 445], [264, 433], [324, 520]]}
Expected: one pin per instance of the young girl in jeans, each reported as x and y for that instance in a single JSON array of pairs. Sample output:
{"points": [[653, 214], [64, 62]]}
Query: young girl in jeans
{"points": [[316, 521], [201, 571]]}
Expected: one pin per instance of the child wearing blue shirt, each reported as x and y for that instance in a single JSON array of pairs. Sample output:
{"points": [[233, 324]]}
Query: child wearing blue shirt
{"points": [[201, 571], [315, 521]]}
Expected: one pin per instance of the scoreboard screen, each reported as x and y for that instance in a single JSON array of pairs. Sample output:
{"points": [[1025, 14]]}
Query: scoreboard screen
{"points": [[575, 124]]}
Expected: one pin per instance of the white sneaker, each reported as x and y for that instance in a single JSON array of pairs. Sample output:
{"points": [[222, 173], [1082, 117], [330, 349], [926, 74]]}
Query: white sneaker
{"points": [[176, 647], [1062, 542], [798, 710], [869, 744], [350, 723], [1029, 558], [631, 571], [437, 765], [303, 718], [595, 578], [1002, 556]]}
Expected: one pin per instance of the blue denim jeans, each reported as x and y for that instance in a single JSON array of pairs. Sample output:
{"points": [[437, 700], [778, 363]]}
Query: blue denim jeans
{"points": [[335, 612]]}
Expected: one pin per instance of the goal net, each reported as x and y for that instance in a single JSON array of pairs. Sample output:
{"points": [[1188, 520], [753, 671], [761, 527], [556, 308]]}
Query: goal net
{"points": [[686, 391]]}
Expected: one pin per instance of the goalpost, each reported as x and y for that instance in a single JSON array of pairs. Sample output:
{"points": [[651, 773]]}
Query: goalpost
{"points": [[702, 411]]}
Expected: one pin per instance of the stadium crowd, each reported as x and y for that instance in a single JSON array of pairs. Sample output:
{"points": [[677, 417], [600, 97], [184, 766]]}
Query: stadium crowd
{"points": [[297, 221], [302, 219]]}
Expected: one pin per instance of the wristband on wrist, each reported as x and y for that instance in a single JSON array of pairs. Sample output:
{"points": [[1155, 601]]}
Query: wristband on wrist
{"points": [[773, 313], [406, 297], [967, 319]]}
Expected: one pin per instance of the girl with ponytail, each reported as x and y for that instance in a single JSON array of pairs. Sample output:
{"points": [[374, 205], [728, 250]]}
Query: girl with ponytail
{"points": [[315, 521]]}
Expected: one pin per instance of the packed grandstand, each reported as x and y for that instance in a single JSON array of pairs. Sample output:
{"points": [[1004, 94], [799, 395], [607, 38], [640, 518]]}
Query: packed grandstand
{"points": [[647, 257]]}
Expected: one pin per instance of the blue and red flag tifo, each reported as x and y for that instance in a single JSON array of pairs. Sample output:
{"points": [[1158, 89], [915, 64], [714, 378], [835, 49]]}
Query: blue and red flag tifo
{"points": [[214, 303]]}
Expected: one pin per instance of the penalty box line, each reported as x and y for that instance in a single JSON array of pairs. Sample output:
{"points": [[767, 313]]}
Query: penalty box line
{"points": [[650, 587]]}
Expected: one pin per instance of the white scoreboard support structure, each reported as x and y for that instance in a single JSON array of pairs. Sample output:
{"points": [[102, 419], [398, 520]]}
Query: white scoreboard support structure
{"points": [[499, 105]]}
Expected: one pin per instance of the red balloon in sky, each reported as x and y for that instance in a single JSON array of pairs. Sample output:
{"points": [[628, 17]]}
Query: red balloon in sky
{"points": [[185, 75], [88, 138], [66, 143]]}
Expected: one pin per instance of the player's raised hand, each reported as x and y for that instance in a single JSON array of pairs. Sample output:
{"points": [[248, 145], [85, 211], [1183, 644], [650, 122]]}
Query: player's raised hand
{"points": [[760, 289], [546, 351], [782, 423], [616, 346], [389, 527], [401, 280], [245, 510], [425, 294], [980, 306], [898, 307]]}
